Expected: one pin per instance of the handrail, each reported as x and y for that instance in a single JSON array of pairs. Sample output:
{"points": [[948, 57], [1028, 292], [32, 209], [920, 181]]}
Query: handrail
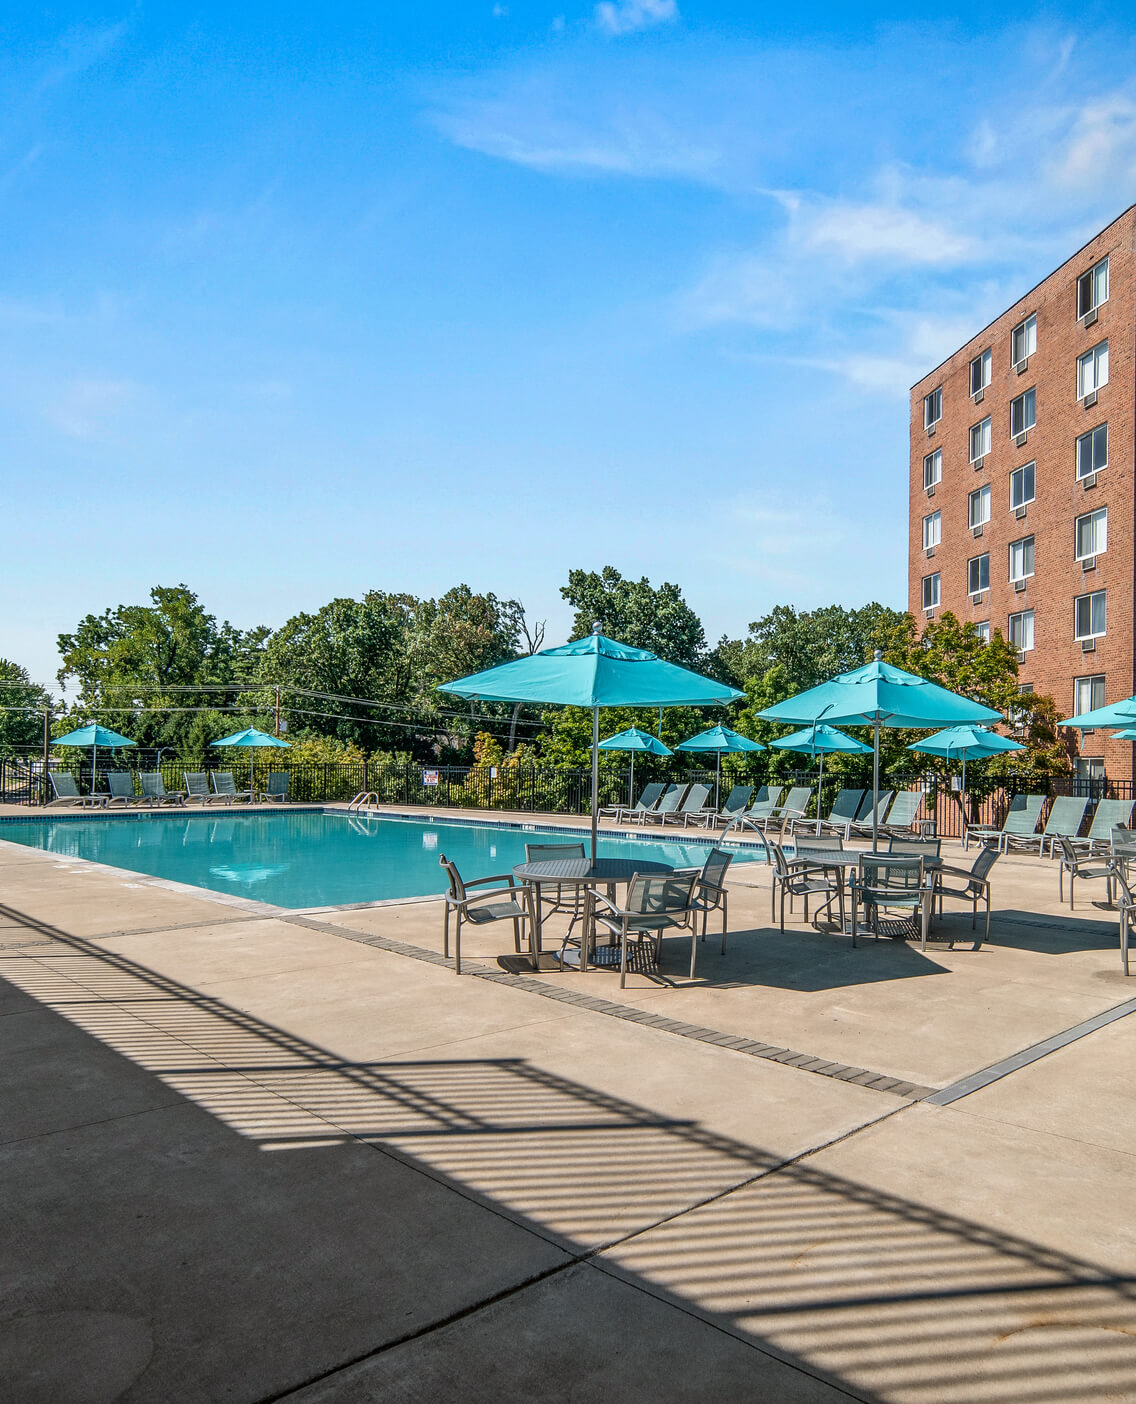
{"points": [[362, 799]]}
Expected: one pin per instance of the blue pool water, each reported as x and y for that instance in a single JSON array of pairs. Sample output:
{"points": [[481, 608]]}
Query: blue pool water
{"points": [[313, 859]]}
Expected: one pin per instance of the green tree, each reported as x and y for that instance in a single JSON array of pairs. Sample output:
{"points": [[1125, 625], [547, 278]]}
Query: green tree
{"points": [[636, 613], [21, 721]]}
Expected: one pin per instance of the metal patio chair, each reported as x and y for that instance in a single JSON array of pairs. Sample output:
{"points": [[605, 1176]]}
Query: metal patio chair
{"points": [[1081, 865], [710, 893], [975, 888], [886, 883], [805, 875], [652, 906], [508, 903]]}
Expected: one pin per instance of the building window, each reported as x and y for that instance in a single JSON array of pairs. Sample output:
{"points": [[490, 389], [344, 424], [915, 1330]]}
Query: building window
{"points": [[978, 574], [932, 407], [1088, 694], [932, 530], [1092, 288], [1020, 631], [980, 506], [1091, 533], [931, 591], [1023, 341], [1092, 451], [1089, 616], [980, 439], [1023, 481], [1092, 370], [983, 630], [933, 468], [1023, 413], [980, 372], [1021, 558], [1089, 768]]}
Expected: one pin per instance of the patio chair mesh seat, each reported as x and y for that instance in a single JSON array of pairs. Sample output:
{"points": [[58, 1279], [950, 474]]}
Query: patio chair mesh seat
{"points": [[1021, 821], [1081, 865]]}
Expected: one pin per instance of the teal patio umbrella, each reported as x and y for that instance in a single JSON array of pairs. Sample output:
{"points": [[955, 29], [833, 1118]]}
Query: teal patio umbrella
{"points": [[94, 736], [633, 740], [1115, 714], [1128, 734], [964, 743], [719, 739], [251, 737], [877, 695], [594, 672], [822, 740]]}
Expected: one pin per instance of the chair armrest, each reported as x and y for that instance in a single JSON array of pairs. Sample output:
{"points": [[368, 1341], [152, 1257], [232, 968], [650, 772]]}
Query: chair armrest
{"points": [[512, 892], [599, 898], [498, 877]]}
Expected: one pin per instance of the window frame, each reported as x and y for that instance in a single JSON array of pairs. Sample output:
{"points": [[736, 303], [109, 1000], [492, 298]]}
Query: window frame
{"points": [[982, 629], [1092, 679], [983, 424], [1020, 614], [937, 518], [981, 494], [1097, 512], [932, 399], [1025, 502], [985, 363], [936, 590], [1094, 633], [1090, 435], [1093, 353], [980, 589], [1024, 542], [1027, 325], [1028, 402], [1090, 274], [935, 457]]}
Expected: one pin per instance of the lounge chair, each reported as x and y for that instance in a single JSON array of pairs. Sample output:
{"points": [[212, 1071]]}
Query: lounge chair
{"points": [[647, 800], [735, 805], [1109, 815], [670, 801], [121, 786], [197, 786], [692, 807], [862, 827], [278, 791], [841, 816], [760, 810], [1021, 821], [154, 789], [225, 788], [901, 815], [1064, 820], [796, 802], [67, 792]]}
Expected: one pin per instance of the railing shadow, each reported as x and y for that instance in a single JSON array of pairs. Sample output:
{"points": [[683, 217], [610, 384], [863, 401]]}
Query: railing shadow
{"points": [[886, 1296]]}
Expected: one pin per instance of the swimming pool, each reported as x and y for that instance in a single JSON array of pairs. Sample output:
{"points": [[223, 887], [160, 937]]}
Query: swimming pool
{"points": [[317, 858]]}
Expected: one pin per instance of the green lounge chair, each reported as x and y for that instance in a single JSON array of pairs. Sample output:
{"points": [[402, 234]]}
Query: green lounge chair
{"points": [[692, 807], [760, 810], [1109, 815], [1064, 820], [278, 791], [643, 805], [1021, 821], [67, 792], [841, 816], [901, 815], [735, 805], [121, 786], [154, 789], [225, 788], [197, 786], [862, 828], [672, 798]]}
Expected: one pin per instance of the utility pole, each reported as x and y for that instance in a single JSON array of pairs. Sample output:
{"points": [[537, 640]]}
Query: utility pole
{"points": [[278, 710], [46, 747]]}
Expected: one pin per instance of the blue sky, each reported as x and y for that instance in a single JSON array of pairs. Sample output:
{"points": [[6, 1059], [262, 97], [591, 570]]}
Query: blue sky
{"points": [[297, 301]]}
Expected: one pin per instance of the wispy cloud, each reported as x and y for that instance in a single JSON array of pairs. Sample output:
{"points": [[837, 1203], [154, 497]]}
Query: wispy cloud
{"points": [[627, 16]]}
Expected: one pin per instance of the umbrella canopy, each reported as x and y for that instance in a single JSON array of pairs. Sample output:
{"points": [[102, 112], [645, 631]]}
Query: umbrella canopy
{"points": [[965, 743], [250, 737], [594, 672], [93, 735], [1115, 714], [718, 739], [1128, 734], [634, 740], [821, 740], [876, 695]]}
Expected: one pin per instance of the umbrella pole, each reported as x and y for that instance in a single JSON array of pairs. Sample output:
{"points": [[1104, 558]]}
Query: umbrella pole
{"points": [[876, 785], [820, 789], [595, 779], [631, 783], [962, 797], [717, 778], [94, 763]]}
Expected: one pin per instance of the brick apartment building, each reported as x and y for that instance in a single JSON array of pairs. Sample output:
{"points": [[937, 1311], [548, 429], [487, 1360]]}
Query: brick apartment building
{"points": [[1023, 485]]}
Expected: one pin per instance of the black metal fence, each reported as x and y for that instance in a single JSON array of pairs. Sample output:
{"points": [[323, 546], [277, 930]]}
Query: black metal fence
{"points": [[528, 788]]}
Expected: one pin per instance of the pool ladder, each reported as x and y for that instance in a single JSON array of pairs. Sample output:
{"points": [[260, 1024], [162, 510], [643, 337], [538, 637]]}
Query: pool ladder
{"points": [[363, 800]]}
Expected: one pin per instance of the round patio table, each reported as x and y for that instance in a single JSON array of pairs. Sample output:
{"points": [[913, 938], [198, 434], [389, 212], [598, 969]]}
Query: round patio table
{"points": [[840, 859], [580, 872]]}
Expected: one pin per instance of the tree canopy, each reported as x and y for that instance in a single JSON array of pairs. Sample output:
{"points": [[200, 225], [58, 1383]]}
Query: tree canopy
{"points": [[636, 613], [21, 721]]}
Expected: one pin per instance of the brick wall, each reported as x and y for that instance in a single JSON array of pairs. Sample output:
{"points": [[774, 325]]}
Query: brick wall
{"points": [[1056, 658]]}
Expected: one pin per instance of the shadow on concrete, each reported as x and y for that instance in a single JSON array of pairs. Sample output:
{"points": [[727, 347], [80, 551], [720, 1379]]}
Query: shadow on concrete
{"points": [[220, 1200], [1096, 929]]}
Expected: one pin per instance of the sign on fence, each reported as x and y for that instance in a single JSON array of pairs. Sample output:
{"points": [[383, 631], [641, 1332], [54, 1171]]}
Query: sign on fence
{"points": [[429, 777]]}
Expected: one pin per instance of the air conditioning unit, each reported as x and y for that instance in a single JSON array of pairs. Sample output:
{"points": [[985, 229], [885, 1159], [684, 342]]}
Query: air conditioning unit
{"points": [[979, 396], [977, 531], [1019, 586], [1022, 366], [930, 552], [1090, 317], [1090, 399], [1020, 440], [1020, 513], [1089, 563], [978, 598], [1021, 655], [930, 613], [979, 463], [931, 490], [1088, 645], [1088, 481], [931, 427]]}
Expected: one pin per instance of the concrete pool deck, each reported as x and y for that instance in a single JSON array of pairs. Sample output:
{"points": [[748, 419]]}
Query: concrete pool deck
{"points": [[260, 1156]]}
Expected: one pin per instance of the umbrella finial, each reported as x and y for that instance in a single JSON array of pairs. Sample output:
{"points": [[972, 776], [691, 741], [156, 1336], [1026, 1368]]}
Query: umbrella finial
{"points": [[596, 627], [878, 655]]}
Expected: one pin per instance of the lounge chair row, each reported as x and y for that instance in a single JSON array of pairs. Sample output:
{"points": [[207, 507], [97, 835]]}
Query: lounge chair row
{"points": [[1019, 831], [120, 784]]}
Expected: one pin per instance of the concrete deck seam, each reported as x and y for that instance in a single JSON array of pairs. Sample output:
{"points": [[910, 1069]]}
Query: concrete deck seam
{"points": [[974, 1082], [731, 1043]]}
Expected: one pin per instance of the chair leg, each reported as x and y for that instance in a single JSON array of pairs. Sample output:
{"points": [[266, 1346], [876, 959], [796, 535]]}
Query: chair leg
{"points": [[517, 935], [1124, 940], [855, 916], [693, 945], [446, 934], [926, 914], [725, 913], [458, 946], [623, 956]]}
